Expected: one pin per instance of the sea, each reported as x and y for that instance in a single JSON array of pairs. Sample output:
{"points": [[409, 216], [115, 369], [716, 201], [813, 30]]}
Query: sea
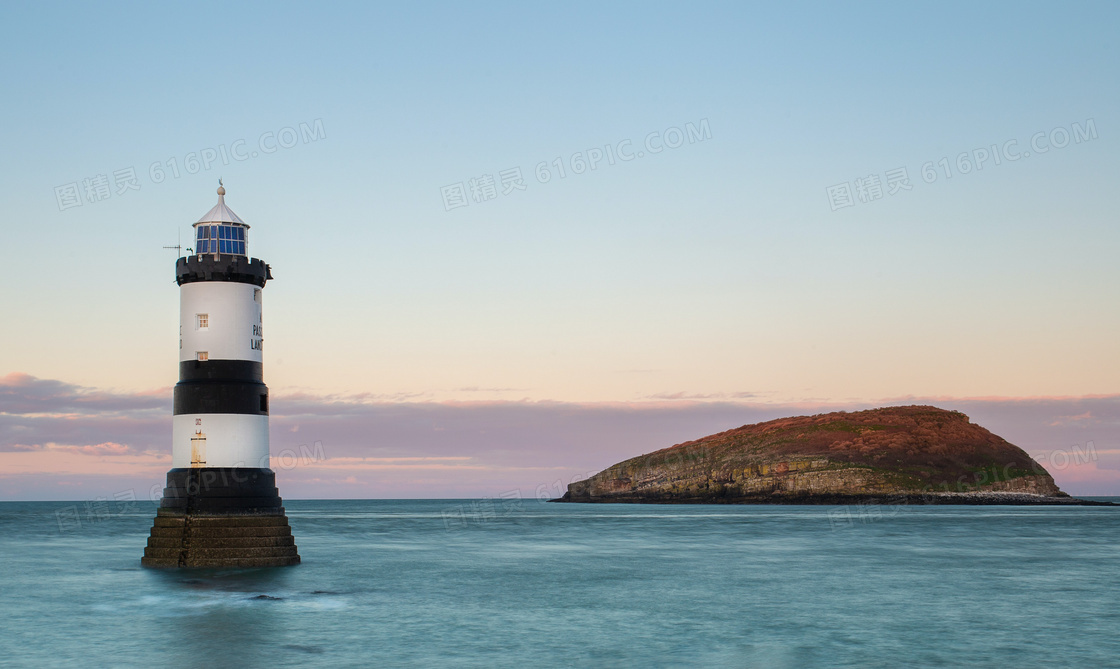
{"points": [[521, 583]]}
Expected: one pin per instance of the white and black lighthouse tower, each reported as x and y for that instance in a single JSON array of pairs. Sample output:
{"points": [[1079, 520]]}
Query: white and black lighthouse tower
{"points": [[221, 506]]}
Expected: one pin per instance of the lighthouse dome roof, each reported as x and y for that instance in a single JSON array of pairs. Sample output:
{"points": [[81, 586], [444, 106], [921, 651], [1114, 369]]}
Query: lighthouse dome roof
{"points": [[221, 213]]}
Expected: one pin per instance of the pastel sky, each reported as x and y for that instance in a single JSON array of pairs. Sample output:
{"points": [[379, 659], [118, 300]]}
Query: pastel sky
{"points": [[761, 253]]}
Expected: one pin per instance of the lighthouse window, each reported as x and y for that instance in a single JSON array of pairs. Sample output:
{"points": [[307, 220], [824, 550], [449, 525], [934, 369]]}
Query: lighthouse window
{"points": [[203, 356], [203, 321]]}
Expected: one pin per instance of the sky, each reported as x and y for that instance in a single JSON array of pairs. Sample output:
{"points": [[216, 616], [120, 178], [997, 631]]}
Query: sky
{"points": [[625, 225]]}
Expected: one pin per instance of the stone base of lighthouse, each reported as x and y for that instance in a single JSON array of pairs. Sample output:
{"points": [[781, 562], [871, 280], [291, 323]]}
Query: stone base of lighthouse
{"points": [[220, 517]]}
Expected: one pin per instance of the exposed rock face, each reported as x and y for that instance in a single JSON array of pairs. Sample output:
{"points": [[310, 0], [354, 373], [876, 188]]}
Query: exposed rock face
{"points": [[903, 453]]}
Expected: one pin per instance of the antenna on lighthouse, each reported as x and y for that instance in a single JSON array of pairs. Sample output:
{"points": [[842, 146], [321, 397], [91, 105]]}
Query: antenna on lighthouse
{"points": [[179, 245]]}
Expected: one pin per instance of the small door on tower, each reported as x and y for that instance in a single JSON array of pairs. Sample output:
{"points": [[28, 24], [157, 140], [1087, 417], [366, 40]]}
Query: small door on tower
{"points": [[198, 449]]}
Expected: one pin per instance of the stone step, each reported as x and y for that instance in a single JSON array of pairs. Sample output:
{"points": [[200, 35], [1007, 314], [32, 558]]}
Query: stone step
{"points": [[194, 553], [222, 542], [179, 513], [223, 521], [223, 532], [158, 562], [224, 562]]}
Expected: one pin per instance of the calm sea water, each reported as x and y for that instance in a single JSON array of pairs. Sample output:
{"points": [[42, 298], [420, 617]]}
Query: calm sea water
{"points": [[521, 583]]}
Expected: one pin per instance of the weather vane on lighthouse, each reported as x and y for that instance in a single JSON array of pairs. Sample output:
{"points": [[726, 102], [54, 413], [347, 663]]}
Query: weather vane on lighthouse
{"points": [[221, 506]]}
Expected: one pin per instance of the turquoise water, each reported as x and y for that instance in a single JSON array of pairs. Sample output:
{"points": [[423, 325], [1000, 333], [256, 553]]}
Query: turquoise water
{"points": [[521, 583]]}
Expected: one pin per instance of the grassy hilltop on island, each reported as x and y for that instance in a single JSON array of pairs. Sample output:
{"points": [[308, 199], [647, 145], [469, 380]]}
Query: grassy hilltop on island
{"points": [[911, 453]]}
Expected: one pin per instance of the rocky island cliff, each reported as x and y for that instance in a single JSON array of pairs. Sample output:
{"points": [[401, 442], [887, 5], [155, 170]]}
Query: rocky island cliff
{"points": [[911, 454]]}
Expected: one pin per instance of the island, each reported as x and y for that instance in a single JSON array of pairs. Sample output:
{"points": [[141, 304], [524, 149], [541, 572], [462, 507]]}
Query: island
{"points": [[891, 455]]}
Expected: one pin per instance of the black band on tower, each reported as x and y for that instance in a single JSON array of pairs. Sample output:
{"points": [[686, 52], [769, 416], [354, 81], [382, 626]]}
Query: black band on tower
{"points": [[244, 371], [220, 397], [222, 268]]}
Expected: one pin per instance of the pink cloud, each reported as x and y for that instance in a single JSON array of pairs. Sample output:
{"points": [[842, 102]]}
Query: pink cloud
{"points": [[1065, 420], [27, 447], [104, 448]]}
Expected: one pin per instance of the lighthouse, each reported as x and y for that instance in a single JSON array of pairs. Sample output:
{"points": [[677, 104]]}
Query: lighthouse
{"points": [[220, 507]]}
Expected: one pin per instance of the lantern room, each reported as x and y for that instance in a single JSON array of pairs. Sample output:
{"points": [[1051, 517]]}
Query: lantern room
{"points": [[220, 230]]}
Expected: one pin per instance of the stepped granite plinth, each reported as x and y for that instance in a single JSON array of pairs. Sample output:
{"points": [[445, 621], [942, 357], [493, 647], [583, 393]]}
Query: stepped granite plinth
{"points": [[220, 517]]}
